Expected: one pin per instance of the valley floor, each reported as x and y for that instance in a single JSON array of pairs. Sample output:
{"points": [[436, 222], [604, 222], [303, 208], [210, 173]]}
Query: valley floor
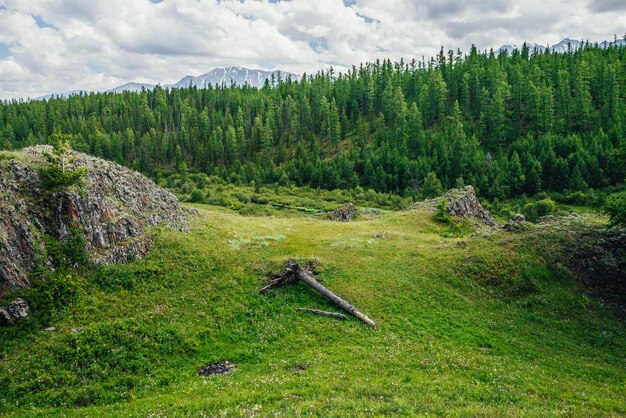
{"points": [[489, 325]]}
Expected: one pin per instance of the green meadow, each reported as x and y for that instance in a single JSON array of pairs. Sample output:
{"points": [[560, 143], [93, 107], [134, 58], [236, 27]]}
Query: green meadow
{"points": [[492, 323]]}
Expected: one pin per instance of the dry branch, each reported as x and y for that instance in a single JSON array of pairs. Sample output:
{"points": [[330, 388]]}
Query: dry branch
{"points": [[323, 313]]}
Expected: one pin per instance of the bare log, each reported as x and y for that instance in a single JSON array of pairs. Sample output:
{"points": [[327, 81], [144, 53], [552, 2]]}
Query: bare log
{"points": [[304, 276], [294, 272], [323, 313]]}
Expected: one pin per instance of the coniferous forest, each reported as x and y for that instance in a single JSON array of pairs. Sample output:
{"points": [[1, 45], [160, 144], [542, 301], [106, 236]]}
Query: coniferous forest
{"points": [[509, 125]]}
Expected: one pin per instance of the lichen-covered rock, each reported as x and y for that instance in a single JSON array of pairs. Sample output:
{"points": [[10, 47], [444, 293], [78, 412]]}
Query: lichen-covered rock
{"points": [[345, 213], [16, 310], [112, 208], [463, 203]]}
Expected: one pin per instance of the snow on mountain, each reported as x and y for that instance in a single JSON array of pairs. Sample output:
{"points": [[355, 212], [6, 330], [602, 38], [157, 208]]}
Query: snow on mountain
{"points": [[62, 95], [561, 47], [566, 44], [510, 48], [229, 75], [618, 42], [132, 86], [218, 76]]}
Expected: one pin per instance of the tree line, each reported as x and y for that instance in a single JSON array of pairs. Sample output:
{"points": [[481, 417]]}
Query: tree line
{"points": [[507, 124]]}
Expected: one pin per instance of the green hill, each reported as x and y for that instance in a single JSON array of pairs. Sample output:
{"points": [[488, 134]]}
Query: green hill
{"points": [[490, 324]]}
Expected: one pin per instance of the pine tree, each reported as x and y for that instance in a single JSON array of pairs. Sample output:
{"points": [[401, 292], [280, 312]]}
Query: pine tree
{"points": [[431, 186]]}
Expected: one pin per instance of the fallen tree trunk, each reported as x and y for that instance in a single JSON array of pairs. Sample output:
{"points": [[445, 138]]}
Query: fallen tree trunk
{"points": [[295, 272], [304, 276], [323, 313]]}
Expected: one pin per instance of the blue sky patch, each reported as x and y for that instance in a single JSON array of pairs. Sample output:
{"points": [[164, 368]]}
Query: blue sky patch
{"points": [[42, 23], [94, 67], [318, 46], [4, 50]]}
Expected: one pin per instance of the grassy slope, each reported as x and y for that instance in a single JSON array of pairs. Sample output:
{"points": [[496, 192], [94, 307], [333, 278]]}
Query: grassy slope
{"points": [[481, 327]]}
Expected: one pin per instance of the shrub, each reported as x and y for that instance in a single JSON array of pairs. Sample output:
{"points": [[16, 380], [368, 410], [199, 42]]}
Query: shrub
{"points": [[545, 207], [53, 295], [432, 186], [615, 208], [540, 208], [441, 215], [575, 198], [197, 196], [243, 197], [57, 174], [70, 251], [219, 200]]}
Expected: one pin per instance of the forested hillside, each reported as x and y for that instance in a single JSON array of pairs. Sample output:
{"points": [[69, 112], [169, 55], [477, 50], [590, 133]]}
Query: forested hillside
{"points": [[509, 125]]}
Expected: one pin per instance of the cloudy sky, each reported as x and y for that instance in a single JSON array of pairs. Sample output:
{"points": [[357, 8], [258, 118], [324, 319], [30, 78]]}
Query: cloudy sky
{"points": [[61, 45]]}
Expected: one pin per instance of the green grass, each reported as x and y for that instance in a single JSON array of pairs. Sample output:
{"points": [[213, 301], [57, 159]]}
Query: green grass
{"points": [[491, 325], [274, 200]]}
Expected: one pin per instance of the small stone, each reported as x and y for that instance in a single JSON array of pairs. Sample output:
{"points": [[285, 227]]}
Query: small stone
{"points": [[50, 329], [222, 367]]}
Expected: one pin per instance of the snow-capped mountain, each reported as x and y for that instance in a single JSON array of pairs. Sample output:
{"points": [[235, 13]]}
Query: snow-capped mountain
{"points": [[618, 42], [566, 44], [229, 75], [218, 76], [510, 48], [561, 47], [132, 86], [68, 94]]}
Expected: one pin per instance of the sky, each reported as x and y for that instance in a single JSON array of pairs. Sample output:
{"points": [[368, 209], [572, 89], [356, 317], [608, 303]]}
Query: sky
{"points": [[56, 46]]}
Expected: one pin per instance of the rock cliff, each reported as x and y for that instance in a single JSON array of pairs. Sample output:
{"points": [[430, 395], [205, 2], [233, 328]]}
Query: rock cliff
{"points": [[111, 208], [463, 203]]}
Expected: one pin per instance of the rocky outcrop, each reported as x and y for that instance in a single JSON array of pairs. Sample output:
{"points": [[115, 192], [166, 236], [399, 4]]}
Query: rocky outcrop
{"points": [[112, 209], [14, 311], [463, 203], [345, 213]]}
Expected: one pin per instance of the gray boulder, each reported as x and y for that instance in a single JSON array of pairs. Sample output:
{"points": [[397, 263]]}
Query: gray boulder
{"points": [[16, 310], [345, 213], [463, 203]]}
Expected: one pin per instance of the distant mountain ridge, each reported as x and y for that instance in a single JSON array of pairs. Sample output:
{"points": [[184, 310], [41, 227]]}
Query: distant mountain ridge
{"points": [[218, 76], [132, 86], [229, 75], [560, 47], [225, 76]]}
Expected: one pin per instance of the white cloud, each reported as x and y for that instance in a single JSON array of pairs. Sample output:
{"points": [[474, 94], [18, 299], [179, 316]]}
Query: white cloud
{"points": [[63, 45]]}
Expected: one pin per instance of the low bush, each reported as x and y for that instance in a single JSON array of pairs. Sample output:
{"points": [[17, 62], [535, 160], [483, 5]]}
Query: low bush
{"points": [[540, 208], [615, 208]]}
